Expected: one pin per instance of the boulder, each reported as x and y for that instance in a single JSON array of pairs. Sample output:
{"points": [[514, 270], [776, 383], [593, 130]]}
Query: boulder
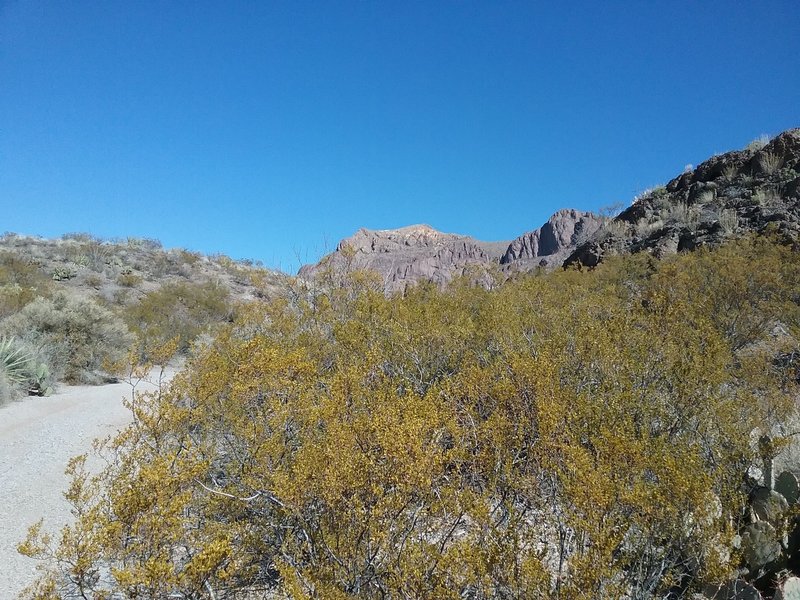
{"points": [[788, 589], [768, 505], [760, 545], [556, 237], [787, 485]]}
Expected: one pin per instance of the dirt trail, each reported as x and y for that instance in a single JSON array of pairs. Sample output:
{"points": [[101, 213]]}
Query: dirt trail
{"points": [[38, 436]]}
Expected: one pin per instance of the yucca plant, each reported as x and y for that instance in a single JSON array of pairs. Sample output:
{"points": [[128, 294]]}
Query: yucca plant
{"points": [[15, 361]]}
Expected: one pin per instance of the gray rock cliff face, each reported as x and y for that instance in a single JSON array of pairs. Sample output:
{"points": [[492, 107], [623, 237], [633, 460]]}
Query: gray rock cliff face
{"points": [[551, 243], [408, 255]]}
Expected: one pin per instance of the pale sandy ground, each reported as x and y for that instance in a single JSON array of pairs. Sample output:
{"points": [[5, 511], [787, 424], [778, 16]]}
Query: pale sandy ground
{"points": [[38, 436]]}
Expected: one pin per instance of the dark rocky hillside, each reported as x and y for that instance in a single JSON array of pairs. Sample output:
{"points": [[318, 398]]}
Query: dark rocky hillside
{"points": [[752, 190]]}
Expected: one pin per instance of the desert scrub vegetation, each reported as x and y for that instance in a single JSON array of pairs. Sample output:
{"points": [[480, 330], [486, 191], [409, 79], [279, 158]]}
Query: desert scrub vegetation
{"points": [[178, 310], [78, 336], [758, 143], [770, 163], [578, 434], [74, 300], [21, 281]]}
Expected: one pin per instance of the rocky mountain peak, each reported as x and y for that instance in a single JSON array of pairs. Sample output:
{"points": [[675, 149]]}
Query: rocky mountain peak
{"points": [[416, 253], [550, 243], [747, 190], [385, 240]]}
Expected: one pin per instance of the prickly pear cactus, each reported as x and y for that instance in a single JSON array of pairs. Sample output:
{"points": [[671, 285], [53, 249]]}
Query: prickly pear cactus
{"points": [[760, 545], [768, 505], [63, 273]]}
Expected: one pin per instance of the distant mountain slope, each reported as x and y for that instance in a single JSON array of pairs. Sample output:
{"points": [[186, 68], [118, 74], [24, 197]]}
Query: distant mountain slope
{"points": [[731, 194], [420, 253], [408, 255], [751, 190]]}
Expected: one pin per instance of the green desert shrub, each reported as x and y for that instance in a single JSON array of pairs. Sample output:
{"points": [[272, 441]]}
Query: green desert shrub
{"points": [[79, 335], [182, 310], [21, 280]]}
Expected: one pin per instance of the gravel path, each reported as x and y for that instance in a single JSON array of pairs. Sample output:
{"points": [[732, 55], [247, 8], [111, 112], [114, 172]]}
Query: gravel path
{"points": [[38, 436]]}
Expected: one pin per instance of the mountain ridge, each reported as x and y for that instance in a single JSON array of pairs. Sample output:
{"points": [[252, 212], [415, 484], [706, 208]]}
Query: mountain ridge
{"points": [[727, 195]]}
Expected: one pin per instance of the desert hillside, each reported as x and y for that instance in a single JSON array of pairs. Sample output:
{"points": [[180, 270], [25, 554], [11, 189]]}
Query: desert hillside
{"points": [[72, 308]]}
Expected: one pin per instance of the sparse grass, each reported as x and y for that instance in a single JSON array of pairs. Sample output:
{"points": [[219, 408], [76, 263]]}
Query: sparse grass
{"points": [[684, 215], [93, 280], [729, 220], [706, 197], [611, 228], [770, 163], [143, 243], [642, 228], [766, 197], [189, 258], [653, 193], [758, 143], [729, 173], [79, 236]]}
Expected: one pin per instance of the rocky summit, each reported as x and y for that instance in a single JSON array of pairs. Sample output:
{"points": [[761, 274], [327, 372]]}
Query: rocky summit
{"points": [[417, 253], [408, 255], [552, 242]]}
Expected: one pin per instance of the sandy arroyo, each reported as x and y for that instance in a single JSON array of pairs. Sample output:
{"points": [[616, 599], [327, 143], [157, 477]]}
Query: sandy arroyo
{"points": [[38, 436]]}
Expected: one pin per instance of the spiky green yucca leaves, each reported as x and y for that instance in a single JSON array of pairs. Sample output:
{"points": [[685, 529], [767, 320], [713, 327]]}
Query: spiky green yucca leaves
{"points": [[22, 369], [15, 361]]}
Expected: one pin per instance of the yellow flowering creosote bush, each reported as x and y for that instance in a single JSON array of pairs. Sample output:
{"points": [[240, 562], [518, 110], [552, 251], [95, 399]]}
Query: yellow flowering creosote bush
{"points": [[571, 435]]}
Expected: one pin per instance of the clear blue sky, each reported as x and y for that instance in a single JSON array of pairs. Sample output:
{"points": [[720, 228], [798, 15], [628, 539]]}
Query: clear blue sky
{"points": [[271, 130]]}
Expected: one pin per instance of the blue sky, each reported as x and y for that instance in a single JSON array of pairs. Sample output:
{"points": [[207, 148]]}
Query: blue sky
{"points": [[272, 130]]}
